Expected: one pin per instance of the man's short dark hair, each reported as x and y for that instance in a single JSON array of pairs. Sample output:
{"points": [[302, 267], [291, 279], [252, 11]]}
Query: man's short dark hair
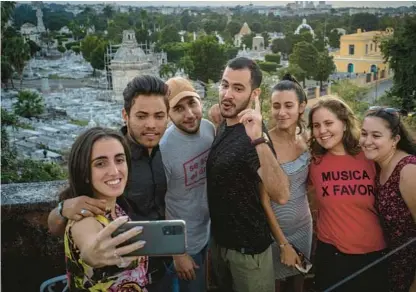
{"points": [[241, 63], [144, 85]]}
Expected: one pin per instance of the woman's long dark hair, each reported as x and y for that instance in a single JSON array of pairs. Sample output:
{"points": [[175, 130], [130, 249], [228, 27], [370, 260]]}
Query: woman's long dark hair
{"points": [[393, 121], [79, 162], [289, 82]]}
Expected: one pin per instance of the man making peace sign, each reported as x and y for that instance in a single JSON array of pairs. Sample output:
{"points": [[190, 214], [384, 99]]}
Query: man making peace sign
{"points": [[242, 164]]}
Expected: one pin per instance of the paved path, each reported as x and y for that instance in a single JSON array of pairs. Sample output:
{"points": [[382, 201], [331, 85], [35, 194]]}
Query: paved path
{"points": [[378, 89], [54, 83]]}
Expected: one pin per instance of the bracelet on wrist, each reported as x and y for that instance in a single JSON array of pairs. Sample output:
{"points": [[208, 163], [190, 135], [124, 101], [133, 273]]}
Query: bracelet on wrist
{"points": [[60, 209], [284, 244]]}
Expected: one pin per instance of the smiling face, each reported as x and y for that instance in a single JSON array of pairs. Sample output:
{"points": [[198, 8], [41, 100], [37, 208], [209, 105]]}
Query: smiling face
{"points": [[187, 114], [328, 130], [147, 120], [235, 92], [109, 171], [376, 139], [286, 109]]}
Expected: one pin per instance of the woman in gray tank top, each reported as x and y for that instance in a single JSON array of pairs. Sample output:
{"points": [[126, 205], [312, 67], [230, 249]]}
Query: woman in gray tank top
{"points": [[291, 224]]}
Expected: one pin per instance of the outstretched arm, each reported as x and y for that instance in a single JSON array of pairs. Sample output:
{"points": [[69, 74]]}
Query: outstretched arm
{"points": [[74, 209]]}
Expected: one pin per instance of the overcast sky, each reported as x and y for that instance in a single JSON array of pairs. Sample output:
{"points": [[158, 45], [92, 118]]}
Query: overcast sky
{"points": [[254, 2]]}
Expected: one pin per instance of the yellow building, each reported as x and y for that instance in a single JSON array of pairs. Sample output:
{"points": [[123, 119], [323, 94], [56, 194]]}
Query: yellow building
{"points": [[360, 52]]}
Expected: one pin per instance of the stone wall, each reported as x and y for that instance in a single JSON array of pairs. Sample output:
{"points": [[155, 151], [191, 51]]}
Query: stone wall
{"points": [[30, 254]]}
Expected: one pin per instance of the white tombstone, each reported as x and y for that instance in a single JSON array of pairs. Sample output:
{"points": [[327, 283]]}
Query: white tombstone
{"points": [[45, 84]]}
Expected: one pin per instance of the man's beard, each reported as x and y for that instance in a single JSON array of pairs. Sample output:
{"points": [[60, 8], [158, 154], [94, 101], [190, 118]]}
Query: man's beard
{"points": [[237, 109], [187, 131]]}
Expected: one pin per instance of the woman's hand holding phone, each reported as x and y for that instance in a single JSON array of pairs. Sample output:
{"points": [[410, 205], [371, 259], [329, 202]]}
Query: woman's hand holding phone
{"points": [[103, 251], [289, 257]]}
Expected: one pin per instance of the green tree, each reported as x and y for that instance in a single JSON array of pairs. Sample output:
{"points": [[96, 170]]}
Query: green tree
{"points": [[93, 49], [248, 40], [169, 34], [265, 102], [234, 27], [303, 36], [6, 71], [211, 97], [324, 67], [97, 56], [175, 51], [399, 51], [366, 21], [29, 104], [192, 26], [18, 53], [319, 42], [186, 64], [108, 12], [208, 57], [257, 27], [78, 31], [282, 46], [265, 36], [269, 67], [305, 56], [7, 8], [294, 70], [209, 26], [167, 70], [334, 39], [353, 94], [54, 20], [142, 35], [275, 26], [61, 49], [272, 58], [32, 170], [8, 118], [22, 14], [34, 48], [185, 19]]}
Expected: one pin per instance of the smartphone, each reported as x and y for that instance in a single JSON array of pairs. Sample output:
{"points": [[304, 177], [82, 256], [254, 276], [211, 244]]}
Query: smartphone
{"points": [[163, 237], [306, 263]]}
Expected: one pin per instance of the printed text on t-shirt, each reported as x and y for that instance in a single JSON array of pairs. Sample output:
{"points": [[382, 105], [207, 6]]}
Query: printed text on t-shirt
{"points": [[357, 186], [195, 169]]}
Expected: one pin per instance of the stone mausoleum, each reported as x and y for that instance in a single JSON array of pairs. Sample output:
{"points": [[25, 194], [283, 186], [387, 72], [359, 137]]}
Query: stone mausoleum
{"points": [[131, 60]]}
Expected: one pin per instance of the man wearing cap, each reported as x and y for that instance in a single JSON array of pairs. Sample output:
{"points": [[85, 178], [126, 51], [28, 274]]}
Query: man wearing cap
{"points": [[185, 148]]}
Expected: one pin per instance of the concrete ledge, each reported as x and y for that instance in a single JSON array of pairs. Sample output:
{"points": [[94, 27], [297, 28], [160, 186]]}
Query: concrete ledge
{"points": [[30, 254]]}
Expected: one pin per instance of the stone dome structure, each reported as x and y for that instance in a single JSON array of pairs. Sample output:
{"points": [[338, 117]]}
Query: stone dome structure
{"points": [[129, 50], [305, 25], [131, 60]]}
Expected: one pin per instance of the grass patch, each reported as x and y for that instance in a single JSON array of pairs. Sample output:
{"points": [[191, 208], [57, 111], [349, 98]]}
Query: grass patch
{"points": [[25, 126], [81, 123]]}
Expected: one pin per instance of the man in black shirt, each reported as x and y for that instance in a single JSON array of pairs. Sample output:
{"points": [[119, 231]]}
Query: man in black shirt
{"points": [[145, 113], [240, 165]]}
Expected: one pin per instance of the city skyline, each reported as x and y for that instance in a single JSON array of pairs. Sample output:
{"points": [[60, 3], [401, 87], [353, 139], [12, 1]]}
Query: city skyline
{"points": [[216, 3]]}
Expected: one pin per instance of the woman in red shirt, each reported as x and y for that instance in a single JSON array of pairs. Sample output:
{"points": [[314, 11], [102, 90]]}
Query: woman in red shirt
{"points": [[385, 140], [348, 228]]}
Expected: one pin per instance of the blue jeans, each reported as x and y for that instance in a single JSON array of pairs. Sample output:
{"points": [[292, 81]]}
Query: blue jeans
{"points": [[197, 285]]}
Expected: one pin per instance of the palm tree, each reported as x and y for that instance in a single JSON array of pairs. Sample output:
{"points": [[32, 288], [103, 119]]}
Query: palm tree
{"points": [[18, 52]]}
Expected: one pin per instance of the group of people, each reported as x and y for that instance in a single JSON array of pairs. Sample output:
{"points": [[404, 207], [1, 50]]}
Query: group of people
{"points": [[243, 190]]}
